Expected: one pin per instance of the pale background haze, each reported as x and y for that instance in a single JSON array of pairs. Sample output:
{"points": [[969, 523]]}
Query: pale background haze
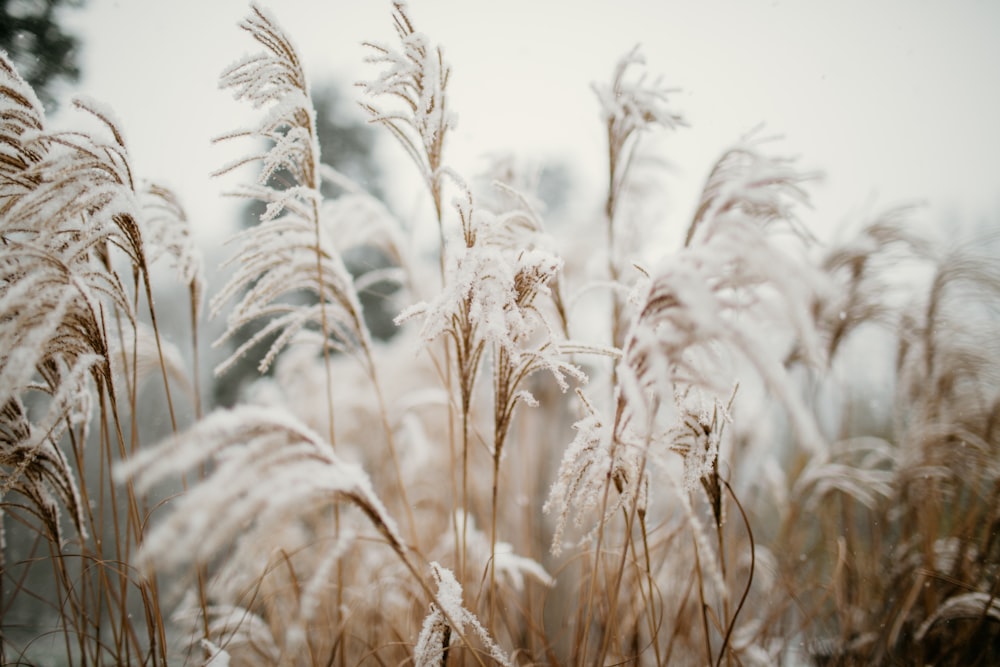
{"points": [[894, 101]]}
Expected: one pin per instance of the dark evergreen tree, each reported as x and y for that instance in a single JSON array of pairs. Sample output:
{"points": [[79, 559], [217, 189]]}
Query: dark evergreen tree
{"points": [[42, 53]]}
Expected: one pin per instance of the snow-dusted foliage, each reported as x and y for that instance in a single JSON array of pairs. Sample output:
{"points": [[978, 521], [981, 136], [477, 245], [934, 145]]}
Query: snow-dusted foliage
{"points": [[731, 267], [67, 201], [36, 468], [21, 116], [415, 77], [64, 209], [447, 615], [714, 305], [168, 235], [630, 106], [73, 266], [492, 300], [268, 469], [512, 570], [289, 253], [586, 466], [215, 656], [776, 450]]}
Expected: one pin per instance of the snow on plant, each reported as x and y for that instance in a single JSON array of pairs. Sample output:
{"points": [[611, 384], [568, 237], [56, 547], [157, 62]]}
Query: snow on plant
{"points": [[69, 200], [216, 657], [853, 529], [490, 308], [416, 77], [63, 208], [288, 252], [168, 235], [512, 569], [587, 463], [731, 269], [268, 468], [629, 108], [36, 468], [70, 219], [490, 300], [435, 635]]}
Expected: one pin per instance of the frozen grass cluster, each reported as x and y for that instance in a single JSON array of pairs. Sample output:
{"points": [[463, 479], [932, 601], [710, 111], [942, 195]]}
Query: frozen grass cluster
{"points": [[552, 462]]}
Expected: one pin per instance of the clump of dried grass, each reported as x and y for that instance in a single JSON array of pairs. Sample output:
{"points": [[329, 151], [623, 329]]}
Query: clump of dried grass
{"points": [[677, 526], [72, 340]]}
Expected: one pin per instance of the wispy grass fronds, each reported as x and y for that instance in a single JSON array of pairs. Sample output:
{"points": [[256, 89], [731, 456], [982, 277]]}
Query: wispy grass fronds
{"points": [[72, 266], [631, 105], [274, 269], [80, 205], [435, 635], [269, 468], [730, 269], [906, 503], [137, 358], [359, 221], [839, 508], [289, 254], [862, 468], [512, 570], [68, 198], [492, 300], [33, 466], [975, 606], [580, 483], [748, 183], [414, 80], [21, 117], [54, 315], [859, 270], [496, 306], [82, 190], [168, 234]]}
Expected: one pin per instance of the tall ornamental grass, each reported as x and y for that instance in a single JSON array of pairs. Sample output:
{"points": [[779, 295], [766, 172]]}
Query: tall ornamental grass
{"points": [[667, 457]]}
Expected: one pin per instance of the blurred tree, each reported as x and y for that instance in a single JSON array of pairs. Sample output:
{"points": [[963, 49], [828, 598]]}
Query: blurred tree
{"points": [[555, 182], [31, 35], [346, 139]]}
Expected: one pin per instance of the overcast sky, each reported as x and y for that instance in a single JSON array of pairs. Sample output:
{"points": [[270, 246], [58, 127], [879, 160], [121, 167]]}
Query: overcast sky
{"points": [[895, 101]]}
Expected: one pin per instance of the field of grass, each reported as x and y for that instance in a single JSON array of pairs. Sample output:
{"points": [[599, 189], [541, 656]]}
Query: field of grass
{"points": [[758, 449]]}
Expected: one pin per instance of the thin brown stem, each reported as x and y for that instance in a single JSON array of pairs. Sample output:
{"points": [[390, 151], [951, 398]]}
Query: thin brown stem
{"points": [[746, 590], [703, 603]]}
